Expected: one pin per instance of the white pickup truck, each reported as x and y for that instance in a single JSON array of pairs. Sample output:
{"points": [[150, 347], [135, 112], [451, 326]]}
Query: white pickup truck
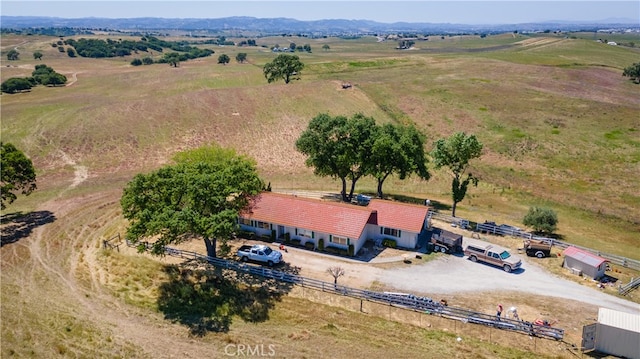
{"points": [[259, 253]]}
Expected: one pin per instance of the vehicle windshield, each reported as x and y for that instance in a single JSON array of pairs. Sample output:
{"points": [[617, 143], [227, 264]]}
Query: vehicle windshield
{"points": [[267, 251], [505, 255]]}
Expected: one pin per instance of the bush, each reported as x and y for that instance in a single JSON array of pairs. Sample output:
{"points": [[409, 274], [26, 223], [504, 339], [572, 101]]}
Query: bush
{"points": [[246, 234], [287, 237], [295, 242], [136, 62], [351, 249], [337, 250], [321, 244], [273, 235], [310, 246], [388, 242], [266, 237]]}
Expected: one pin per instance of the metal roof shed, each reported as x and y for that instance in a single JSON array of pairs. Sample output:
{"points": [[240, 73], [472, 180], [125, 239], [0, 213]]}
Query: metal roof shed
{"points": [[587, 263], [618, 333]]}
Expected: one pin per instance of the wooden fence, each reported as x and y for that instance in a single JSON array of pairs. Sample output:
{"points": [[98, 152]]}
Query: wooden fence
{"points": [[624, 289], [399, 300], [510, 231]]}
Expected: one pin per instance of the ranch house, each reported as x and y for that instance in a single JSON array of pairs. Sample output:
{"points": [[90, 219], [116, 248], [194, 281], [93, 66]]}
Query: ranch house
{"points": [[338, 224]]}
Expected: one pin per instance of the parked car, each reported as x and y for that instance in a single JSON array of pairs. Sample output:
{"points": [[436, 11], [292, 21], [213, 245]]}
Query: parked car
{"points": [[259, 253]]}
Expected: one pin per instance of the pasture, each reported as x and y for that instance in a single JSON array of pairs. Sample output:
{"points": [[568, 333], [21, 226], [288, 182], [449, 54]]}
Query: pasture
{"points": [[558, 121]]}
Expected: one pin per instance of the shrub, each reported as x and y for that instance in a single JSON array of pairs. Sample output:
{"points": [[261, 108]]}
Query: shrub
{"points": [[351, 249], [337, 250], [246, 234], [296, 242], [273, 235], [310, 246], [388, 242], [266, 237], [321, 244], [287, 237], [136, 62]]}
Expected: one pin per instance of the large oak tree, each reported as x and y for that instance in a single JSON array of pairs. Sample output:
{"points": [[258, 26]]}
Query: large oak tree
{"points": [[200, 195], [455, 153], [283, 67], [398, 150], [17, 175], [339, 147]]}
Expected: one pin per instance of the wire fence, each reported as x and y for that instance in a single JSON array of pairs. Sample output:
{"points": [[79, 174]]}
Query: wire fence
{"points": [[492, 228], [400, 300]]}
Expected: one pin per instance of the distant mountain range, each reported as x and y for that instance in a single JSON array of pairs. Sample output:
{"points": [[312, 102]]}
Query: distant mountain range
{"points": [[286, 25]]}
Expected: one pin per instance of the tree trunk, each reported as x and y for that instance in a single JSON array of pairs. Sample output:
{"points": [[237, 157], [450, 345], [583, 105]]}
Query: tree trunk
{"points": [[380, 183], [344, 189], [453, 209], [211, 246]]}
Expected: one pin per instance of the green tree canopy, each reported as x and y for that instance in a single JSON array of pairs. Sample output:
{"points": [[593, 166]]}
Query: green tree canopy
{"points": [[241, 57], [198, 196], [172, 58], [455, 153], [17, 84], [13, 55], [400, 150], [284, 66], [37, 55], [17, 175], [542, 220], [326, 47], [339, 147], [45, 75], [633, 72], [223, 59]]}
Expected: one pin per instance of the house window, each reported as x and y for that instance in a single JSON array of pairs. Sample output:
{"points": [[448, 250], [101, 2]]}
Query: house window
{"points": [[339, 240], [305, 233], [263, 225], [245, 221], [391, 232]]}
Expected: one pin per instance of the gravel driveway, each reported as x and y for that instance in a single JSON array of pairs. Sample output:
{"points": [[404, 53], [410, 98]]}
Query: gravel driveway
{"points": [[453, 274]]}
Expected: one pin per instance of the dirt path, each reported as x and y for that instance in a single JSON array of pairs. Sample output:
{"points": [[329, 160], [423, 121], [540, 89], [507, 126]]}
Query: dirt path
{"points": [[61, 282]]}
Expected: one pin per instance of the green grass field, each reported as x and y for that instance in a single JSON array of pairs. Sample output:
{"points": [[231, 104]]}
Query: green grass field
{"points": [[558, 121]]}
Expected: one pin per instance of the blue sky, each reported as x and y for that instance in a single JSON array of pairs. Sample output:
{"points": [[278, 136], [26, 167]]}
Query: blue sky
{"points": [[456, 11]]}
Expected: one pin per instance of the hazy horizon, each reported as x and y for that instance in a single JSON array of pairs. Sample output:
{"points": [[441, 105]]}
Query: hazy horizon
{"points": [[454, 12]]}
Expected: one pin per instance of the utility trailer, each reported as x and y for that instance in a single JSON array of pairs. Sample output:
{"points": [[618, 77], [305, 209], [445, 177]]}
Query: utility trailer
{"points": [[446, 242], [537, 248]]}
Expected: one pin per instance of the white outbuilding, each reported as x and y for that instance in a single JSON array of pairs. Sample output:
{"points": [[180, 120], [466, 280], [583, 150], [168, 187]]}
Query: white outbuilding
{"points": [[616, 333]]}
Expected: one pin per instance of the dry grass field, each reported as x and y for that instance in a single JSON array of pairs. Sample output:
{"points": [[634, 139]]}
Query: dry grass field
{"points": [[559, 123]]}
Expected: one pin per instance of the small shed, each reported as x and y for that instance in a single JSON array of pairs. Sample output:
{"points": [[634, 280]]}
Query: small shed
{"points": [[584, 263], [617, 333]]}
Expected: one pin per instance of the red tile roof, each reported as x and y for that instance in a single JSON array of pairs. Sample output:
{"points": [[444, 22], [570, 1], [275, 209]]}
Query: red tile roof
{"points": [[336, 218], [584, 256], [404, 216]]}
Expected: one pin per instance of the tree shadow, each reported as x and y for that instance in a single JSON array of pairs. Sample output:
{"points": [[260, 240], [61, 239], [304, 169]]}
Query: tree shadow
{"points": [[436, 205], [16, 226], [206, 299]]}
